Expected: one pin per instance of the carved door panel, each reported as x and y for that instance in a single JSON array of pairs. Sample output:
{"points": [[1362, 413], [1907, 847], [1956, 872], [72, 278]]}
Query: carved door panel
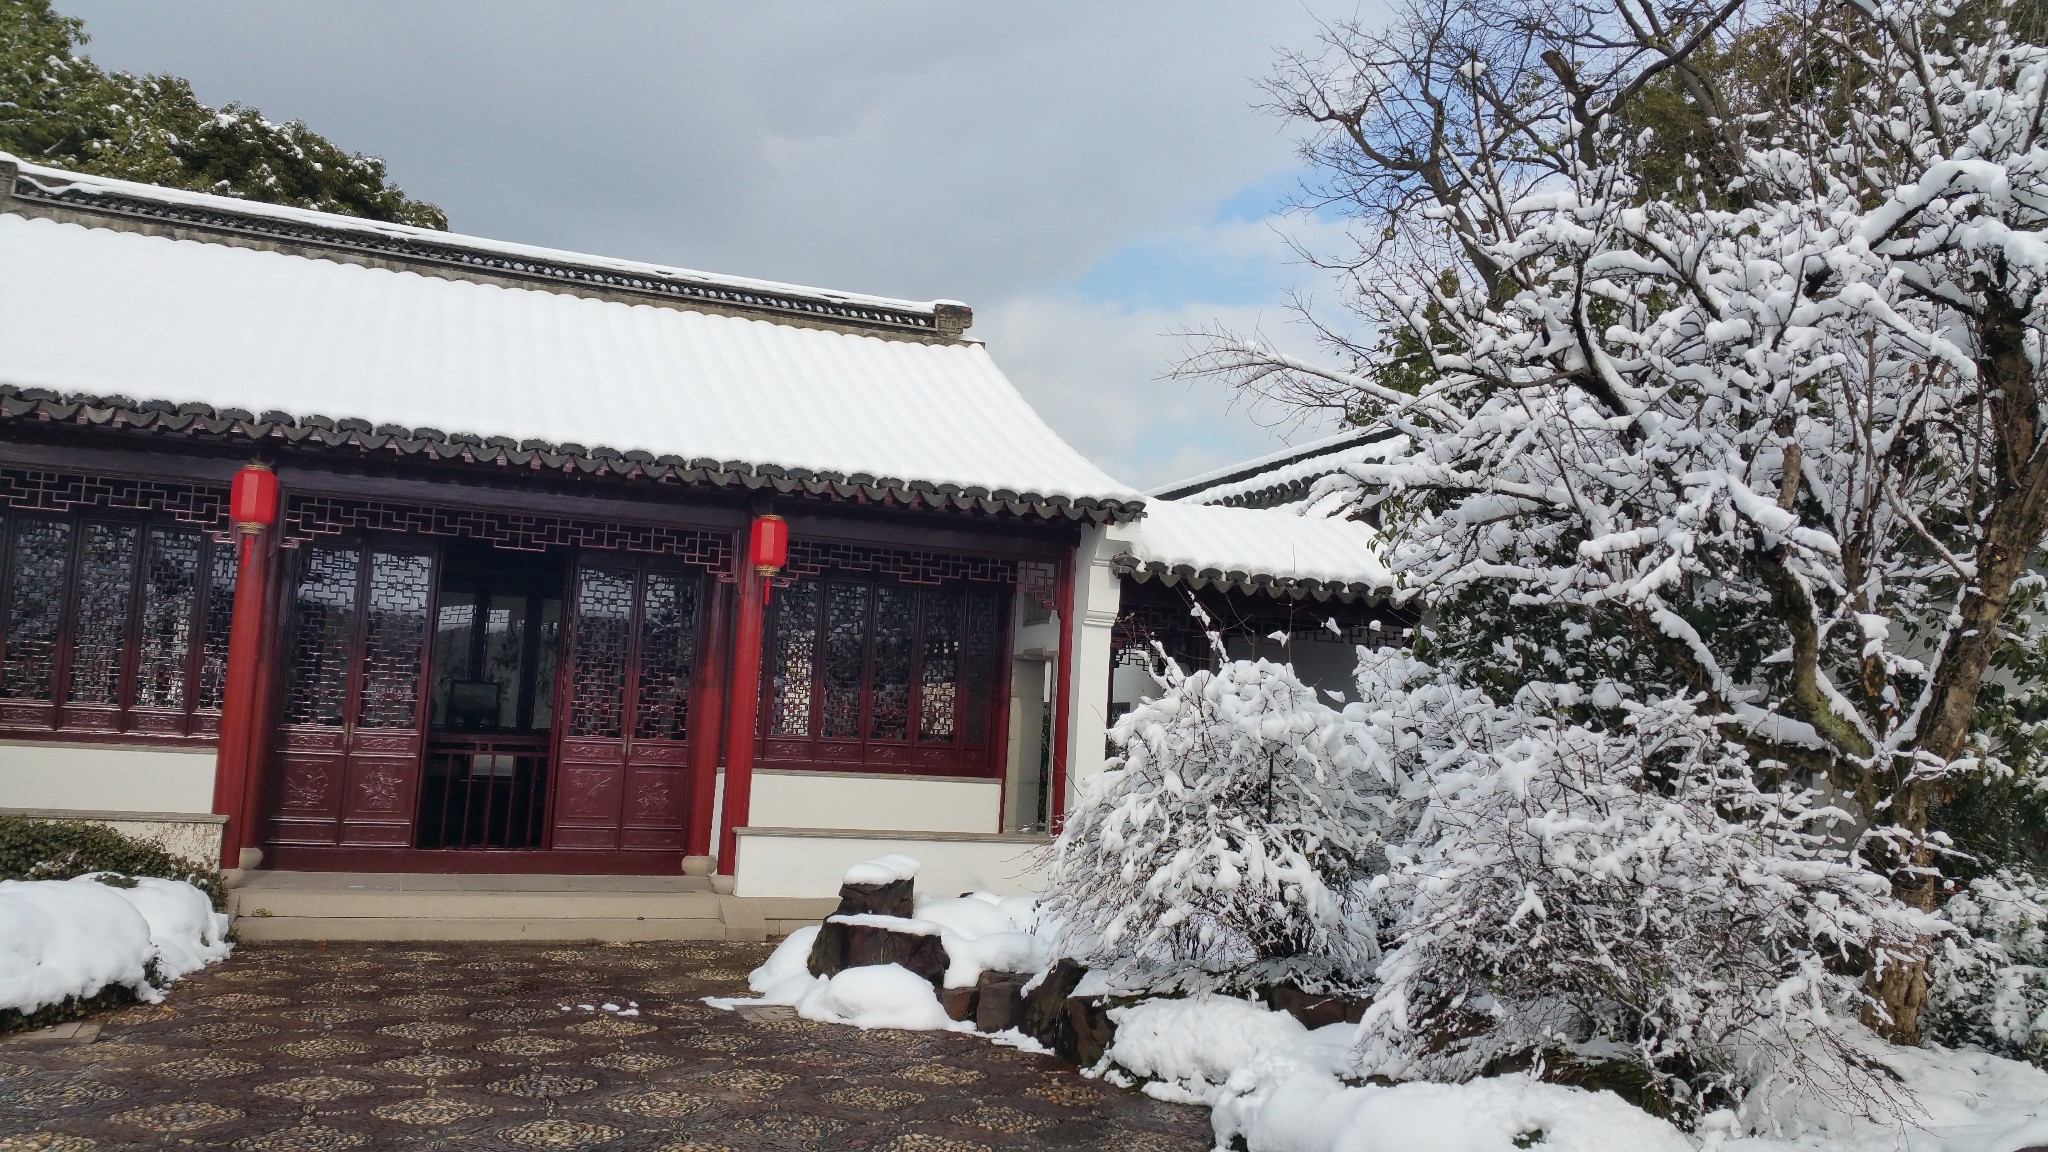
{"points": [[625, 740], [350, 738]]}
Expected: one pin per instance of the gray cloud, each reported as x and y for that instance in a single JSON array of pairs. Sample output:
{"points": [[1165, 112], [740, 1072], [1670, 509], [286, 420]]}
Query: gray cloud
{"points": [[988, 153]]}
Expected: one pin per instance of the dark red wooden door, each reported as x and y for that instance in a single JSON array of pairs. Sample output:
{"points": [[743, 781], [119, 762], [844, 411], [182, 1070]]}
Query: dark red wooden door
{"points": [[350, 739], [625, 743]]}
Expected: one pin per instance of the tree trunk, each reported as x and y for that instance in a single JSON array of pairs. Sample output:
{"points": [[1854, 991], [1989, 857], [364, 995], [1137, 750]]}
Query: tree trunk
{"points": [[2011, 534]]}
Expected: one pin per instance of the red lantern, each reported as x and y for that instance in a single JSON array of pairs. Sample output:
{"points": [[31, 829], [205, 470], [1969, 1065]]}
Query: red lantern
{"points": [[252, 502], [768, 546]]}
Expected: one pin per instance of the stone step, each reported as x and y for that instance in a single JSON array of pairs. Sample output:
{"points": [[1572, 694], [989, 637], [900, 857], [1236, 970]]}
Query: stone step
{"points": [[557, 929], [398, 906], [474, 905]]}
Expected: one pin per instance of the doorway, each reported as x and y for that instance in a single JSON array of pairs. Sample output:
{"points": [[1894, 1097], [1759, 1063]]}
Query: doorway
{"points": [[485, 779]]}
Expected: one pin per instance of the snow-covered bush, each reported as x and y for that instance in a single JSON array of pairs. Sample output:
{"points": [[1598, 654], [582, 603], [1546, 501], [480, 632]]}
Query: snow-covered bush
{"points": [[1638, 904], [66, 942], [1990, 985], [1230, 844]]}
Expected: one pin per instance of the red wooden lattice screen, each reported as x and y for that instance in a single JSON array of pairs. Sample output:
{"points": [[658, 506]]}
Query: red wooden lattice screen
{"points": [[633, 634], [115, 598], [349, 745], [871, 674]]}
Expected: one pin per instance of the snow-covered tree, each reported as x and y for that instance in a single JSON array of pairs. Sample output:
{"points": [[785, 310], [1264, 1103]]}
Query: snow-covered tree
{"points": [[1639, 906], [1228, 845], [59, 108], [1762, 437]]}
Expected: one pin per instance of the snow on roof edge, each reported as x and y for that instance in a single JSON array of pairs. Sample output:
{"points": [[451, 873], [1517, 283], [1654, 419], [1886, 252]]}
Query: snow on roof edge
{"points": [[1255, 548], [42, 175]]}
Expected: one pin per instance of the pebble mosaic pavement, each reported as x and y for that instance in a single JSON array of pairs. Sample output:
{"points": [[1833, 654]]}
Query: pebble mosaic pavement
{"points": [[298, 1048]]}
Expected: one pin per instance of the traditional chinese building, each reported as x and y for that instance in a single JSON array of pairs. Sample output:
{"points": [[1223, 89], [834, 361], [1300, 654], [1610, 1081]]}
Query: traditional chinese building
{"points": [[341, 546]]}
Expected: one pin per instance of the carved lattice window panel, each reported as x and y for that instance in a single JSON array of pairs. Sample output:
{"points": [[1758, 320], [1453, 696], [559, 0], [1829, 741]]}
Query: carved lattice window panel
{"points": [[99, 630], [29, 489], [910, 566], [881, 674], [601, 637], [793, 659], [38, 572], [217, 619], [667, 656], [322, 637], [394, 639], [309, 517], [99, 611], [170, 591]]}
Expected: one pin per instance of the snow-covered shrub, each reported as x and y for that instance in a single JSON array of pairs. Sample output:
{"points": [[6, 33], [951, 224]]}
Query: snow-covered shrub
{"points": [[1990, 987], [1639, 904], [98, 939], [1230, 844]]}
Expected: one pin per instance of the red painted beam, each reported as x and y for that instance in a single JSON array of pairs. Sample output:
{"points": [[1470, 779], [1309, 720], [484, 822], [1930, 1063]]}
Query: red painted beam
{"points": [[743, 704]]}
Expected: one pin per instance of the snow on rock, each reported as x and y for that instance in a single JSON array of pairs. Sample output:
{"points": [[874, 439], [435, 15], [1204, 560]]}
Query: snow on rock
{"points": [[1306, 1109], [1196, 1044], [876, 996], [785, 976], [885, 869], [73, 938], [985, 933]]}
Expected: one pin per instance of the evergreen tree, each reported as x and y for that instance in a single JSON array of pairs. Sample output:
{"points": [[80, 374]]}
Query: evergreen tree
{"points": [[61, 109]]}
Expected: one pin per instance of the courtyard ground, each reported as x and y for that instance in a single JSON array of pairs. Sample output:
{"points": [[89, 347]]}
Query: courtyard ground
{"points": [[300, 1048]]}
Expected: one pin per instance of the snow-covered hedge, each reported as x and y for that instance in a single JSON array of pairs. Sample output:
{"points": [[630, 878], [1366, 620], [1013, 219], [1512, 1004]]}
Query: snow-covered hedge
{"points": [[1230, 844], [1640, 899], [1990, 984], [65, 940]]}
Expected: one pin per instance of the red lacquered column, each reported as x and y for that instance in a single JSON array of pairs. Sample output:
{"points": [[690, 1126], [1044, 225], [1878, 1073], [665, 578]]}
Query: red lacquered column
{"points": [[252, 506], [767, 550]]}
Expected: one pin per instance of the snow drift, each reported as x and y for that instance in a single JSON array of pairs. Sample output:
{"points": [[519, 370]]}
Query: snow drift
{"points": [[61, 939]]}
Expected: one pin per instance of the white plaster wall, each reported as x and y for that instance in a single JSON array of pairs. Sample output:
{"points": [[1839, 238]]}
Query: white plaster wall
{"points": [[104, 777], [1097, 594], [877, 802], [812, 866], [1028, 683]]}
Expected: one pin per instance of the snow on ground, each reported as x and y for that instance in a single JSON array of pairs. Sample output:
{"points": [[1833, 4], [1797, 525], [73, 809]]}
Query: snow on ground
{"points": [[65, 938], [880, 996], [1296, 1108], [1279, 1087]]}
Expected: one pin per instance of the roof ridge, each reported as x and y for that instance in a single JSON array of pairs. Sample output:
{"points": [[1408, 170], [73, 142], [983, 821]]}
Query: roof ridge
{"points": [[1246, 469], [558, 268]]}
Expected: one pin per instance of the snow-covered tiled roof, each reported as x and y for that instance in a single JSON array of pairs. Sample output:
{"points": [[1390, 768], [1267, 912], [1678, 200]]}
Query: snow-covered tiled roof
{"points": [[102, 312], [1255, 547], [1279, 478]]}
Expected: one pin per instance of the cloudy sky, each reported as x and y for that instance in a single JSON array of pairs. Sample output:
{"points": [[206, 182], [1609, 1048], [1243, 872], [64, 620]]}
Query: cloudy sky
{"points": [[1090, 176]]}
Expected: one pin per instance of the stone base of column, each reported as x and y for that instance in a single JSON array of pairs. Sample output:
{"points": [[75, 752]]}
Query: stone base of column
{"points": [[698, 865]]}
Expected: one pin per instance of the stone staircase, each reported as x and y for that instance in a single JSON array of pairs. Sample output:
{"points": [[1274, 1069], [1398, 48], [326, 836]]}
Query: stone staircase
{"points": [[413, 906]]}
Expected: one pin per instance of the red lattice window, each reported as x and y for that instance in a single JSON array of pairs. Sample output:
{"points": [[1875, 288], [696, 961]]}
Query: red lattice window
{"points": [[109, 616], [634, 650], [864, 671]]}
